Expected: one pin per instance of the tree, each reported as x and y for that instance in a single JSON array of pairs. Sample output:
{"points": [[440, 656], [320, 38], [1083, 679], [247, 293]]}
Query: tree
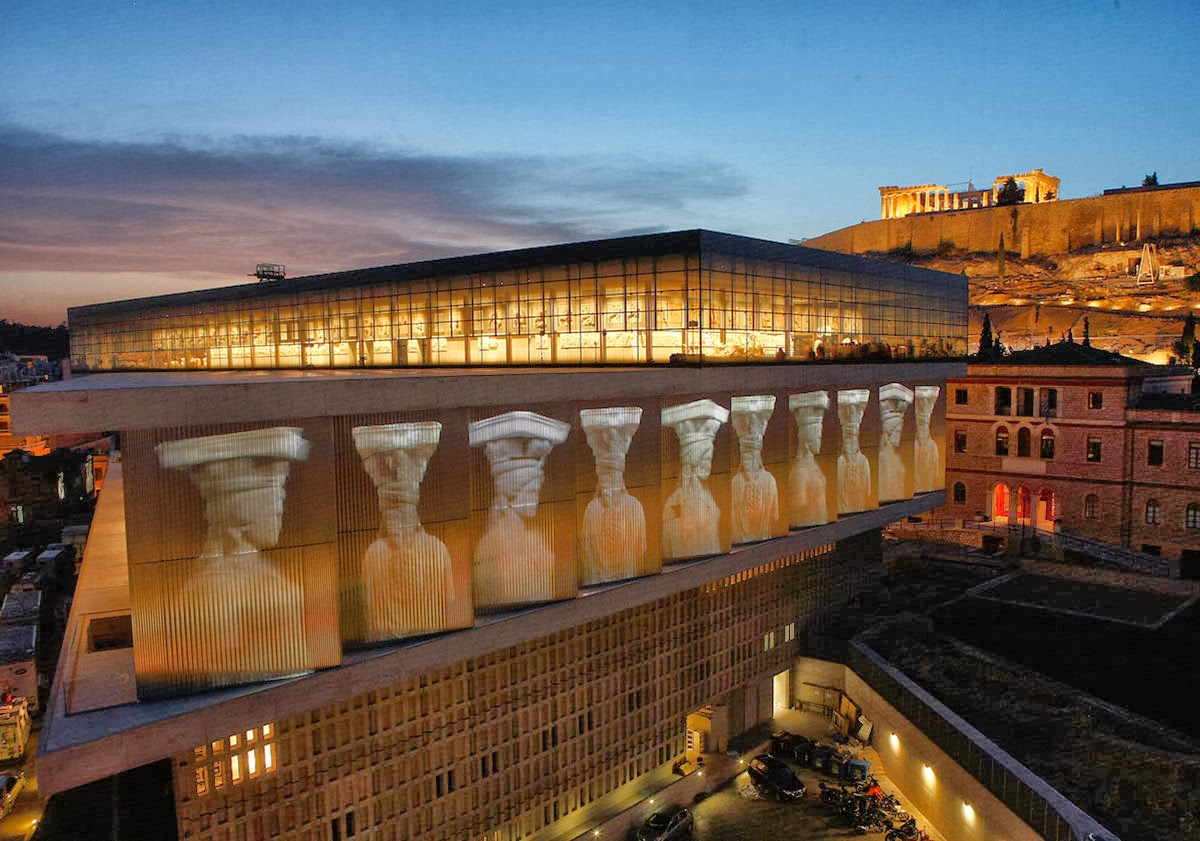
{"points": [[1087, 333], [986, 344], [1151, 180], [1009, 194], [999, 349]]}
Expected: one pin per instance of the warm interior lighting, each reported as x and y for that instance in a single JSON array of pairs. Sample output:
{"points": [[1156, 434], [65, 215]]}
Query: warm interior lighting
{"points": [[252, 762], [895, 740], [235, 768], [928, 772], [269, 757], [267, 729]]}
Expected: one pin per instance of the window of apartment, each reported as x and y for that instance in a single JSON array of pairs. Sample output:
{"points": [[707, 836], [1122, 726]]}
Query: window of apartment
{"points": [[1049, 402], [960, 397], [1047, 445], [1003, 400], [1024, 442], [1093, 449], [1090, 505], [960, 440], [1002, 441], [1025, 402], [1154, 454], [1151, 549], [1194, 455], [1095, 400], [1192, 519], [1153, 512], [960, 493]]}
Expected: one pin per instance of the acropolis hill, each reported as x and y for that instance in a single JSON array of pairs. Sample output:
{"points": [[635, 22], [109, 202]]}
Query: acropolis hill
{"points": [[1064, 260]]}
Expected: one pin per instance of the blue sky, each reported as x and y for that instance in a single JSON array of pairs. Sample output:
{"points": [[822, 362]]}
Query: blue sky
{"points": [[160, 146]]}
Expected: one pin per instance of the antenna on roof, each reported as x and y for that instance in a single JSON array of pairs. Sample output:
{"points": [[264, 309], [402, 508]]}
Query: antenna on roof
{"points": [[268, 271]]}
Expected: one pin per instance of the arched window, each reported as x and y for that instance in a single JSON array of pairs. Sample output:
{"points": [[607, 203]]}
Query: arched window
{"points": [[960, 495], [1090, 505], [1024, 439], [1192, 519], [1023, 503], [1153, 512], [1000, 502], [1002, 441], [1047, 445]]}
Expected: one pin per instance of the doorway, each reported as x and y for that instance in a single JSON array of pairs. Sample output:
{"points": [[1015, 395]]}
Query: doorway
{"points": [[781, 692]]}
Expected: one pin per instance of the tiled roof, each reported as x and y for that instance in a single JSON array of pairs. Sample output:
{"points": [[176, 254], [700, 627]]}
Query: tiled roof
{"points": [[1064, 353]]}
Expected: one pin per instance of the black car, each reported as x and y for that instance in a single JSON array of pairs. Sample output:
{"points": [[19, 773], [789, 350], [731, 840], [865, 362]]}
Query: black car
{"points": [[670, 823], [775, 778]]}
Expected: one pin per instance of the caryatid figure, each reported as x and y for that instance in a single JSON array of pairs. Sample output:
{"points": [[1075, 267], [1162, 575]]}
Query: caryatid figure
{"points": [[407, 579], [238, 618], [894, 400], [926, 458], [613, 539], [691, 518], [806, 480], [513, 563], [755, 500], [854, 471]]}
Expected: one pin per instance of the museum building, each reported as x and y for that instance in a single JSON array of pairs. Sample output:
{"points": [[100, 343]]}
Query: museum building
{"points": [[453, 549]]}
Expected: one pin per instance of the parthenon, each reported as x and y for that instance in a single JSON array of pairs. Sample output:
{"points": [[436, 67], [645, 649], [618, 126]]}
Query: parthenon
{"points": [[896, 202]]}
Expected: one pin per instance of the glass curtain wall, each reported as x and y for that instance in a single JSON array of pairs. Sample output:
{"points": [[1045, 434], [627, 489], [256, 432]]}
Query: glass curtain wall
{"points": [[630, 310]]}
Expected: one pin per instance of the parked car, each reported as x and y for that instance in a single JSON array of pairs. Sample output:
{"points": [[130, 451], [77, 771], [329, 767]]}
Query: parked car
{"points": [[10, 787], [667, 824], [775, 778]]}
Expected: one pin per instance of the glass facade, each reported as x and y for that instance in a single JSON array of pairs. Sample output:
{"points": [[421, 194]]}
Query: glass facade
{"points": [[636, 300]]}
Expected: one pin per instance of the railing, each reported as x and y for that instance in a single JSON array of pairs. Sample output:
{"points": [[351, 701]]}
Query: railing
{"points": [[1048, 812]]}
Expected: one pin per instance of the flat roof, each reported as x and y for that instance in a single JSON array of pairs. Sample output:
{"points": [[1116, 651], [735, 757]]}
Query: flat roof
{"points": [[17, 643], [155, 399]]}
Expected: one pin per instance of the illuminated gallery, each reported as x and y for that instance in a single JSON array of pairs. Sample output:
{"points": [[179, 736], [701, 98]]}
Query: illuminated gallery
{"points": [[453, 549]]}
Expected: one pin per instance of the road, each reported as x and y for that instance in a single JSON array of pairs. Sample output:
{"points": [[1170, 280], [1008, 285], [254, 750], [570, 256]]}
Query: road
{"points": [[19, 824]]}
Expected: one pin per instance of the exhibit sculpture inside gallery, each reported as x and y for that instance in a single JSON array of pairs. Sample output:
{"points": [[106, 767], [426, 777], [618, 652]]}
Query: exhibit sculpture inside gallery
{"points": [[454, 549]]}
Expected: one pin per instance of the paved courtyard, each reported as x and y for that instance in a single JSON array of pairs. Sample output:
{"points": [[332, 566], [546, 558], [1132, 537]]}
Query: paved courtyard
{"points": [[729, 815]]}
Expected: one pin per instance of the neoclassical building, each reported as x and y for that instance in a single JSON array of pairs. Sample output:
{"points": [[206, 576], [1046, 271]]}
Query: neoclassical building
{"points": [[1075, 440], [453, 549]]}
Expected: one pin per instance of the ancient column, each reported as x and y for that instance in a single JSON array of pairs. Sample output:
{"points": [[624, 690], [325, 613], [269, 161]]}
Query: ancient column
{"points": [[236, 617], [513, 563], [854, 472], [926, 458], [894, 400], [755, 497], [691, 518], [612, 542], [407, 580], [806, 481]]}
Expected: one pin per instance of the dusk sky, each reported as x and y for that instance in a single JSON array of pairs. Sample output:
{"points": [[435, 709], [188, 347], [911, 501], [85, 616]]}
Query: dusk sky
{"points": [[150, 147]]}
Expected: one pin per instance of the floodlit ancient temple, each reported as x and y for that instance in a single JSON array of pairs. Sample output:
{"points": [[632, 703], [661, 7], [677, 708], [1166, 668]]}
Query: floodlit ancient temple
{"points": [[452, 549]]}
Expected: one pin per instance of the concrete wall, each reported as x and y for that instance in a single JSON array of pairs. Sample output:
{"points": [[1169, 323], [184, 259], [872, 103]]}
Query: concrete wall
{"points": [[939, 796], [1032, 229]]}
